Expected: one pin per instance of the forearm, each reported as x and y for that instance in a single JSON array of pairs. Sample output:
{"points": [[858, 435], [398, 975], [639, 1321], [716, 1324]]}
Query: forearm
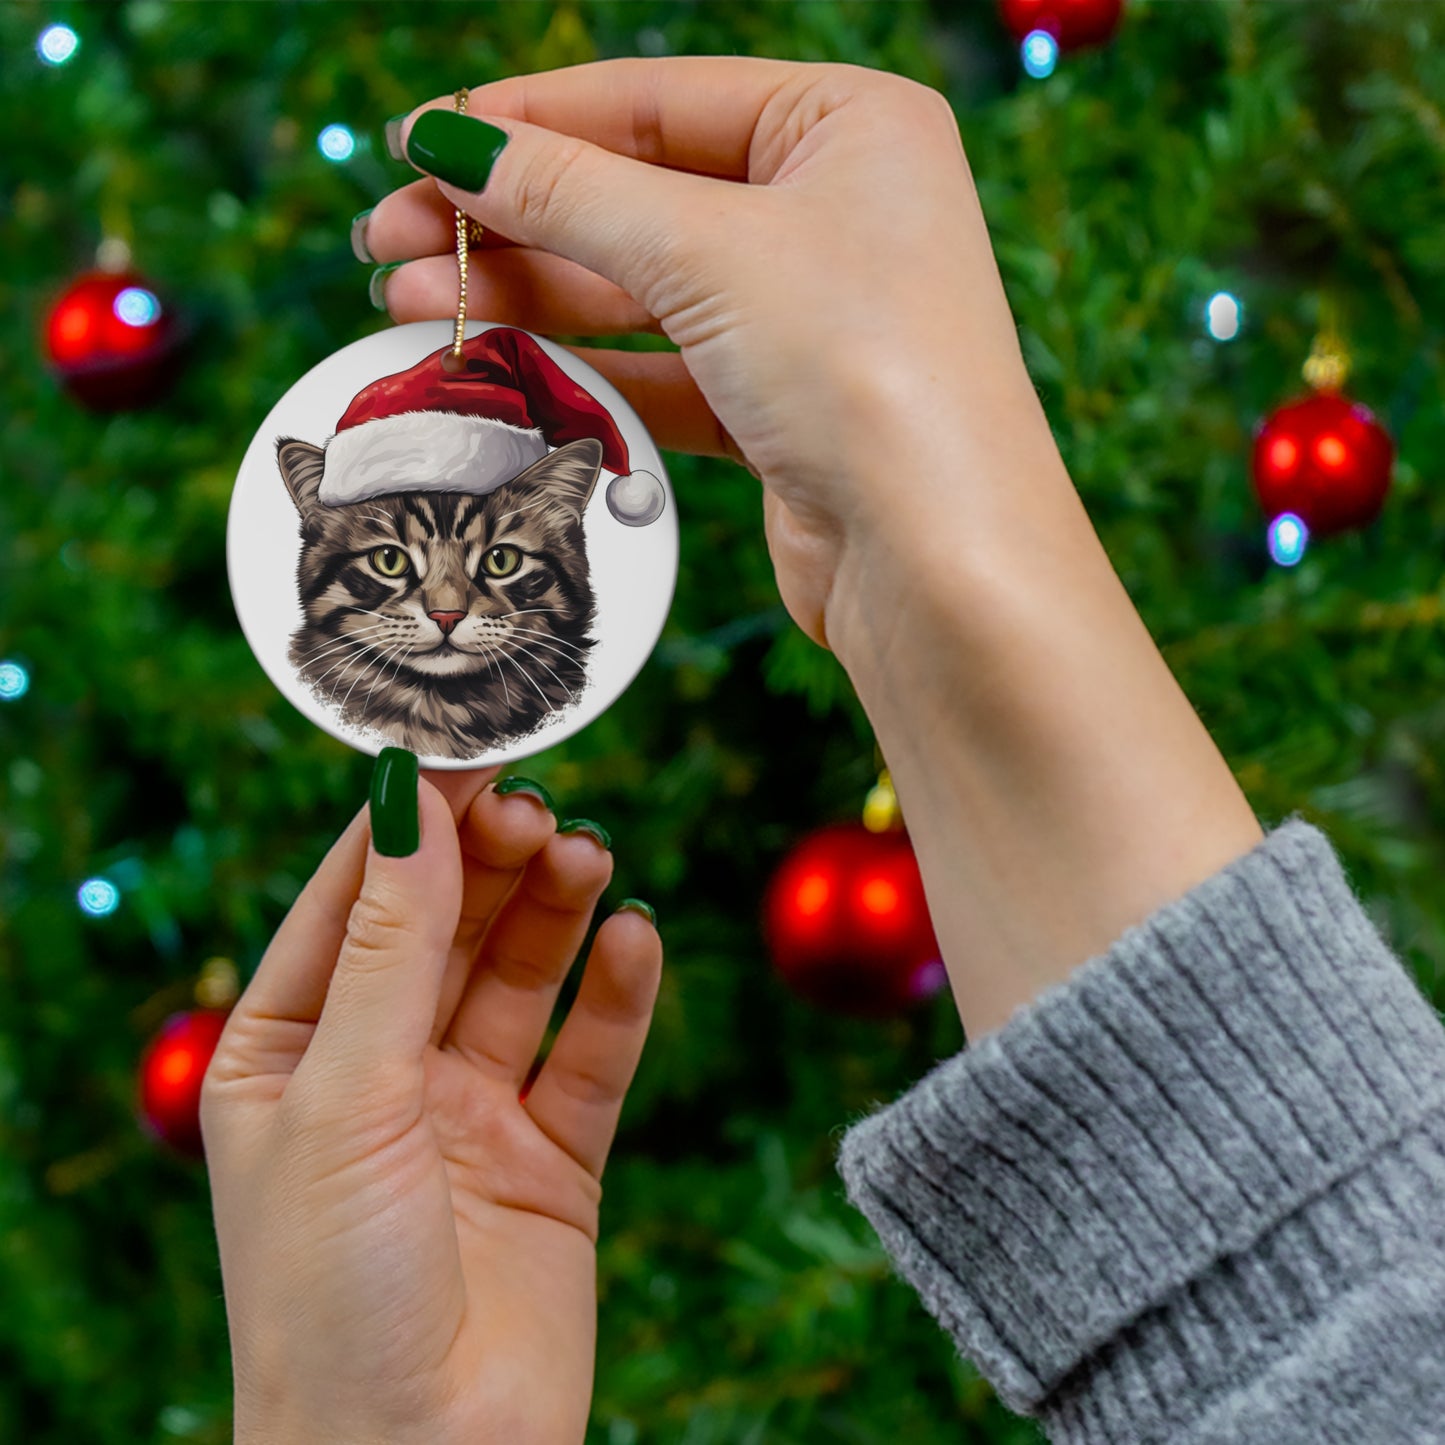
{"points": [[1056, 782]]}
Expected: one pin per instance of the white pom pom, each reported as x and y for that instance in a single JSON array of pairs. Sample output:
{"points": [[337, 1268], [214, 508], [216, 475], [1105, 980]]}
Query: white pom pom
{"points": [[636, 499]]}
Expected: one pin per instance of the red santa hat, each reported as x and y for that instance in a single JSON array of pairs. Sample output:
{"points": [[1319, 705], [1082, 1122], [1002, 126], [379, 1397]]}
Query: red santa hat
{"points": [[428, 429]]}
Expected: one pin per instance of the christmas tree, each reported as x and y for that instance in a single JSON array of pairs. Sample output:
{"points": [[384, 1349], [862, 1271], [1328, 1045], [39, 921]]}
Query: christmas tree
{"points": [[1212, 161]]}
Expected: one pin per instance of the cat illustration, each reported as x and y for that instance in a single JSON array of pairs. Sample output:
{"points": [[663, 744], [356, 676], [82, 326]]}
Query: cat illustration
{"points": [[449, 622]]}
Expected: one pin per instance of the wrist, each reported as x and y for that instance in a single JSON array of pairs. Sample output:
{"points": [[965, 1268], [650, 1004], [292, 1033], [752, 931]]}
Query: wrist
{"points": [[1057, 784], [945, 526]]}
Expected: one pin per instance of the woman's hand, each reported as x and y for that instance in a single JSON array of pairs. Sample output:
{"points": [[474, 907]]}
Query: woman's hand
{"points": [[407, 1245], [810, 237], [830, 312]]}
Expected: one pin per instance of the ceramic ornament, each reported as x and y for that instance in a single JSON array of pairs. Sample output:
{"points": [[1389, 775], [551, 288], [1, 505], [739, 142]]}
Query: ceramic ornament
{"points": [[467, 555]]}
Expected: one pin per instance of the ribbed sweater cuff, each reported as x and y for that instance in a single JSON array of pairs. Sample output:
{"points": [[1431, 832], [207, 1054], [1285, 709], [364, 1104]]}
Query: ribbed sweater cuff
{"points": [[1144, 1165]]}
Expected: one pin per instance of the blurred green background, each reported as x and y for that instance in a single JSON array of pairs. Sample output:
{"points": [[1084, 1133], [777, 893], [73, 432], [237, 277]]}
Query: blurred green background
{"points": [[1286, 153]]}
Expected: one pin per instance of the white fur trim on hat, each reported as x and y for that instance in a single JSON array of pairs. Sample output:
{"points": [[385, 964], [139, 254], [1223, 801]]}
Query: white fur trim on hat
{"points": [[425, 451]]}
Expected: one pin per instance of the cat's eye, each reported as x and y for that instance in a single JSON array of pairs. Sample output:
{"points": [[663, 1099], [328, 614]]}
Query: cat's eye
{"points": [[501, 561], [390, 561]]}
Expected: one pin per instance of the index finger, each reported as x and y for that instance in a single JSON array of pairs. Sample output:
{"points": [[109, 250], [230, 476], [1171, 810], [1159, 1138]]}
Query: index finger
{"points": [[695, 113]]}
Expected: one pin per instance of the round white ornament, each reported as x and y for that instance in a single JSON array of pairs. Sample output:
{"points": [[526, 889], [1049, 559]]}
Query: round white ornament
{"points": [[470, 559]]}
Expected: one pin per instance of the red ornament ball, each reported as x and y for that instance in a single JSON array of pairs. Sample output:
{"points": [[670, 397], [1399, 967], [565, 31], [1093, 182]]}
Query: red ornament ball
{"points": [[1326, 459], [1073, 23], [847, 923], [171, 1071], [112, 341]]}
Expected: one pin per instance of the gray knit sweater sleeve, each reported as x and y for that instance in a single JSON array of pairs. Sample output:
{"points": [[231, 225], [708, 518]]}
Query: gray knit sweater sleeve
{"points": [[1196, 1192]]}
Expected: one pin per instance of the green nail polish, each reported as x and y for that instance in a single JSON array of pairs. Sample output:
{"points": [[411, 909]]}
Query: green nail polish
{"points": [[455, 148], [636, 905], [376, 287], [392, 132], [395, 820], [359, 248], [525, 785], [586, 825]]}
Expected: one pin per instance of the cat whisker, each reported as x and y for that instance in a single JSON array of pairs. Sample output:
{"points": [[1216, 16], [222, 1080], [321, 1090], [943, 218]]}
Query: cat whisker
{"points": [[396, 662], [331, 643], [364, 648], [361, 672], [527, 676], [403, 654], [530, 612], [518, 511], [501, 676], [531, 656], [349, 644], [371, 612], [547, 637], [380, 666], [341, 646]]}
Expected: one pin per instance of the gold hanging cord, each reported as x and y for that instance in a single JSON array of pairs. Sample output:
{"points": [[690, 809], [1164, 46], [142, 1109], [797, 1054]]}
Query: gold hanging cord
{"points": [[881, 813], [1328, 366], [469, 233]]}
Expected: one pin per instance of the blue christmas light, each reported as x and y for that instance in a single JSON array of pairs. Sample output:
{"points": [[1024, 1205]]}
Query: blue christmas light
{"points": [[98, 897], [1040, 53], [57, 44], [336, 143], [1223, 316], [137, 307], [14, 681], [1288, 538]]}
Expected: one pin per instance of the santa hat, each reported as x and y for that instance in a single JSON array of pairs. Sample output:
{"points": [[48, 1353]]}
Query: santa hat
{"points": [[428, 429]]}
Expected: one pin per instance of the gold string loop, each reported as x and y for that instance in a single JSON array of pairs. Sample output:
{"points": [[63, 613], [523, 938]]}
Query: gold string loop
{"points": [[1328, 366], [469, 233]]}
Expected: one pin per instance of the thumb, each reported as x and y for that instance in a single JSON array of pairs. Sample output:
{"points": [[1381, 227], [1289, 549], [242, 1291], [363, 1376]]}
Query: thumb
{"points": [[382, 999], [634, 224]]}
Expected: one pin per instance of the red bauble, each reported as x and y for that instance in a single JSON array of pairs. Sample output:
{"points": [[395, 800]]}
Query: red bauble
{"points": [[847, 923], [1324, 458], [1073, 23], [171, 1072], [112, 341]]}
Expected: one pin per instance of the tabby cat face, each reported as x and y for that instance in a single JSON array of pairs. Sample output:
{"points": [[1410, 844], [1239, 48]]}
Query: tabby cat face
{"points": [[448, 621]]}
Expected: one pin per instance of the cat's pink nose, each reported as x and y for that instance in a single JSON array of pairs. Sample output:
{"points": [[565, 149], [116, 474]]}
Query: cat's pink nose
{"points": [[446, 620]]}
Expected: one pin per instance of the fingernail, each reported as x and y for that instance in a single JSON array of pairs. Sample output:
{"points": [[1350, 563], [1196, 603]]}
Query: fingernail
{"points": [[636, 905], [376, 287], [395, 820], [525, 785], [586, 825], [359, 248], [392, 132], [455, 148]]}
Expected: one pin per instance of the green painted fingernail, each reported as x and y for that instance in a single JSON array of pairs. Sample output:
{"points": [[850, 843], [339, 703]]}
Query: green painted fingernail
{"points": [[455, 148], [392, 132], [395, 812], [526, 785], [376, 287], [586, 825], [359, 248], [636, 905]]}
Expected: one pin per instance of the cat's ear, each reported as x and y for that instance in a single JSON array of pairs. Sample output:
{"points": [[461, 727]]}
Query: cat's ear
{"points": [[300, 464], [569, 474]]}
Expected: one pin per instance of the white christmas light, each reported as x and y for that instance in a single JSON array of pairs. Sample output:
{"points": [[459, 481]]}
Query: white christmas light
{"points": [[1040, 53], [1288, 538], [1223, 316], [98, 897], [14, 681], [57, 44], [336, 143], [137, 307]]}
